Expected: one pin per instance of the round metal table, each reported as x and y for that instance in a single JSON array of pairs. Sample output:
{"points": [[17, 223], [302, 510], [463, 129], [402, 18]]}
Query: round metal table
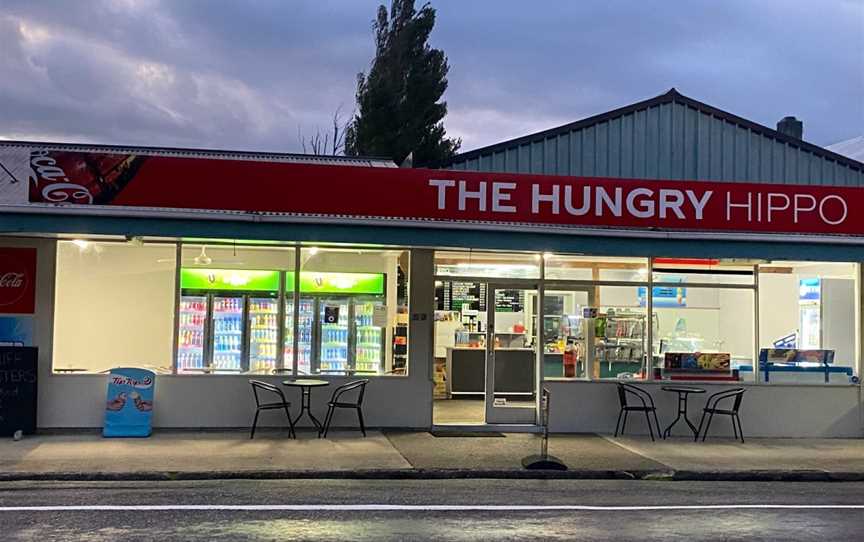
{"points": [[683, 392], [306, 385]]}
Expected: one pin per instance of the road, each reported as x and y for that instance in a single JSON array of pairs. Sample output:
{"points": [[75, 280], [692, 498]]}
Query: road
{"points": [[429, 510]]}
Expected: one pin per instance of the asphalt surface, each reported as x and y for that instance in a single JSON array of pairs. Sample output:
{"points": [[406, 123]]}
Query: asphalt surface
{"points": [[412, 510]]}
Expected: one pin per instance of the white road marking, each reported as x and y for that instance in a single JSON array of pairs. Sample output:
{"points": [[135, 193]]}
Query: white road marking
{"points": [[417, 507]]}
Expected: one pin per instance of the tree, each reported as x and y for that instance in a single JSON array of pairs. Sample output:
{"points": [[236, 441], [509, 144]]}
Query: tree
{"points": [[329, 142], [400, 110]]}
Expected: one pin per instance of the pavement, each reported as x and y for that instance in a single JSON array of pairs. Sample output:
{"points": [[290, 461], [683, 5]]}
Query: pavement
{"points": [[404, 454]]}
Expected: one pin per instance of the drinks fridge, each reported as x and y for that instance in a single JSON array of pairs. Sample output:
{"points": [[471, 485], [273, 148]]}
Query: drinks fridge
{"points": [[337, 331], [228, 321], [304, 339]]}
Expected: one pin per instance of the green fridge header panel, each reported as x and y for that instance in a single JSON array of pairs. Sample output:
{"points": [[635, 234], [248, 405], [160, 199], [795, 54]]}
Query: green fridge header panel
{"points": [[312, 282], [229, 279], [268, 281]]}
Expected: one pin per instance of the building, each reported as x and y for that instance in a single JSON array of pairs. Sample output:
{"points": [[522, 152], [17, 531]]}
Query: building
{"points": [[666, 239]]}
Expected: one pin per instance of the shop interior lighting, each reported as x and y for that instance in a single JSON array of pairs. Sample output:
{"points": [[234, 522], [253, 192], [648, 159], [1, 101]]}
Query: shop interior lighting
{"points": [[313, 251], [81, 244], [203, 258]]}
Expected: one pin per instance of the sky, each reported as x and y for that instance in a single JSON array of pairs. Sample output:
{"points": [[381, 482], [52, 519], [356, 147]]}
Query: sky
{"points": [[260, 74]]}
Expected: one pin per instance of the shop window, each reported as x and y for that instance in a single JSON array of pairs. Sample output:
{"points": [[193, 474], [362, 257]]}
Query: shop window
{"points": [[235, 314], [703, 271], [487, 264], [717, 322], [353, 311], [114, 306], [808, 321], [621, 333], [558, 267]]}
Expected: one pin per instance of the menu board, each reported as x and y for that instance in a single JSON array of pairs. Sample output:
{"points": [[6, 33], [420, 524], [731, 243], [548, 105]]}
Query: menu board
{"points": [[457, 294], [17, 389], [509, 300]]}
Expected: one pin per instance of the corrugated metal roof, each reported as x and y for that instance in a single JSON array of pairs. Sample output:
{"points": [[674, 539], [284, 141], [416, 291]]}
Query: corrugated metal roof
{"points": [[209, 153], [670, 136], [853, 148]]}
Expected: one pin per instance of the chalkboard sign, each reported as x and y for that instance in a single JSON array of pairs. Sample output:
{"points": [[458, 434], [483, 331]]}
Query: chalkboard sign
{"points": [[17, 390]]}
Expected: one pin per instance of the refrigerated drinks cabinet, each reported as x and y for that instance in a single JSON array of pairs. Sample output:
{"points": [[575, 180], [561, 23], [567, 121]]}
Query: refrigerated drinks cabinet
{"points": [[224, 329], [336, 335]]}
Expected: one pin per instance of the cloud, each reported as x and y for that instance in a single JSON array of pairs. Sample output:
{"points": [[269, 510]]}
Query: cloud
{"points": [[247, 75]]}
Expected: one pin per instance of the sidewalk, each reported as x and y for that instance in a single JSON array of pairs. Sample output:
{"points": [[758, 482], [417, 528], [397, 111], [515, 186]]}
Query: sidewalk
{"points": [[203, 455]]}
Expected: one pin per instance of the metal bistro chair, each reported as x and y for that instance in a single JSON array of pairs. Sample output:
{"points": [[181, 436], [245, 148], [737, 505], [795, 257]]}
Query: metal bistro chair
{"points": [[257, 386], [336, 402], [711, 408], [626, 408]]}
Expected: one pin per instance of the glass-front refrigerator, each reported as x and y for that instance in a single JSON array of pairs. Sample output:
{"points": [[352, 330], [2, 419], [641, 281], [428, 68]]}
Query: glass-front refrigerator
{"points": [[336, 324], [228, 320], [191, 333], [304, 339], [333, 353], [263, 333], [368, 337], [227, 338]]}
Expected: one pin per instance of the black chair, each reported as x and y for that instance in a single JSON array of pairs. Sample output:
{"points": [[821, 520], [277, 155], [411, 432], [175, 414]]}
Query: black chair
{"points": [[646, 406], [257, 386], [337, 402], [711, 408]]}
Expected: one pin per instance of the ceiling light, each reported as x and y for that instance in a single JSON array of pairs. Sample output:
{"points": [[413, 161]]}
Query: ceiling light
{"points": [[203, 258], [80, 243], [313, 251]]}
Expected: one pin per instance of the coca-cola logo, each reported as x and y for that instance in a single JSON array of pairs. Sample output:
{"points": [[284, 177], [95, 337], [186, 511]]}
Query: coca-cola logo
{"points": [[13, 283], [12, 280], [51, 181]]}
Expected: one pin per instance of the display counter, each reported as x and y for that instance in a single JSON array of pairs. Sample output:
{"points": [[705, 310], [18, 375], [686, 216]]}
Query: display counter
{"points": [[466, 371], [796, 374]]}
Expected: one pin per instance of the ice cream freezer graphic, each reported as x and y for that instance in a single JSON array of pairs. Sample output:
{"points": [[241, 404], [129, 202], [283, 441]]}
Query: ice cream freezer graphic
{"points": [[228, 321], [336, 332]]}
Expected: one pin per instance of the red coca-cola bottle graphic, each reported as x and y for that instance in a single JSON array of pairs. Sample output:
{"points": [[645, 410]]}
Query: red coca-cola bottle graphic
{"points": [[77, 177]]}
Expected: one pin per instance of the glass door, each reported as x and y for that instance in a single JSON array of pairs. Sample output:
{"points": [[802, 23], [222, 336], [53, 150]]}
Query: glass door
{"points": [[227, 336], [511, 355], [190, 336], [333, 336], [568, 332], [263, 334], [368, 337]]}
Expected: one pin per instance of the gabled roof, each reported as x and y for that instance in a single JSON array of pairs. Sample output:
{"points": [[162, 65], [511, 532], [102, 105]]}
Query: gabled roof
{"points": [[209, 153], [672, 96]]}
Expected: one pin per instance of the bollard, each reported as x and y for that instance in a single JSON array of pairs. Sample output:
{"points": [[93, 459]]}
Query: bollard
{"points": [[544, 461]]}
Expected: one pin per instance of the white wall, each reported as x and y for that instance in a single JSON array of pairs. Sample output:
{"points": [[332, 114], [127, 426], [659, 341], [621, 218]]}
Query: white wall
{"points": [[115, 306]]}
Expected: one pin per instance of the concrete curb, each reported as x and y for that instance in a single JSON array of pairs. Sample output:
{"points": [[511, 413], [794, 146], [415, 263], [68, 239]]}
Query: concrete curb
{"points": [[444, 474]]}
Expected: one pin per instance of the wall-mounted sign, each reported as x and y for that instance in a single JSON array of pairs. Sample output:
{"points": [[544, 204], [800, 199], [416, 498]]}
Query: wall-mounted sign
{"points": [[411, 197], [229, 279], [17, 280], [664, 296], [18, 379], [16, 331], [809, 289]]}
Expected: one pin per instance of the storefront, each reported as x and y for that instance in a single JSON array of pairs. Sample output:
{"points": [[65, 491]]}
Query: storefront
{"points": [[459, 294]]}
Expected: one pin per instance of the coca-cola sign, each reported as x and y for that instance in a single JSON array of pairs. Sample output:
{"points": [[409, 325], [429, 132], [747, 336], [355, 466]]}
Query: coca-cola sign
{"points": [[17, 280]]}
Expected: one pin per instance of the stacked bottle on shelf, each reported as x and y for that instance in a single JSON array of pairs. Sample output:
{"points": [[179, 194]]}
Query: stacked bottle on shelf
{"points": [[263, 334], [190, 336]]}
